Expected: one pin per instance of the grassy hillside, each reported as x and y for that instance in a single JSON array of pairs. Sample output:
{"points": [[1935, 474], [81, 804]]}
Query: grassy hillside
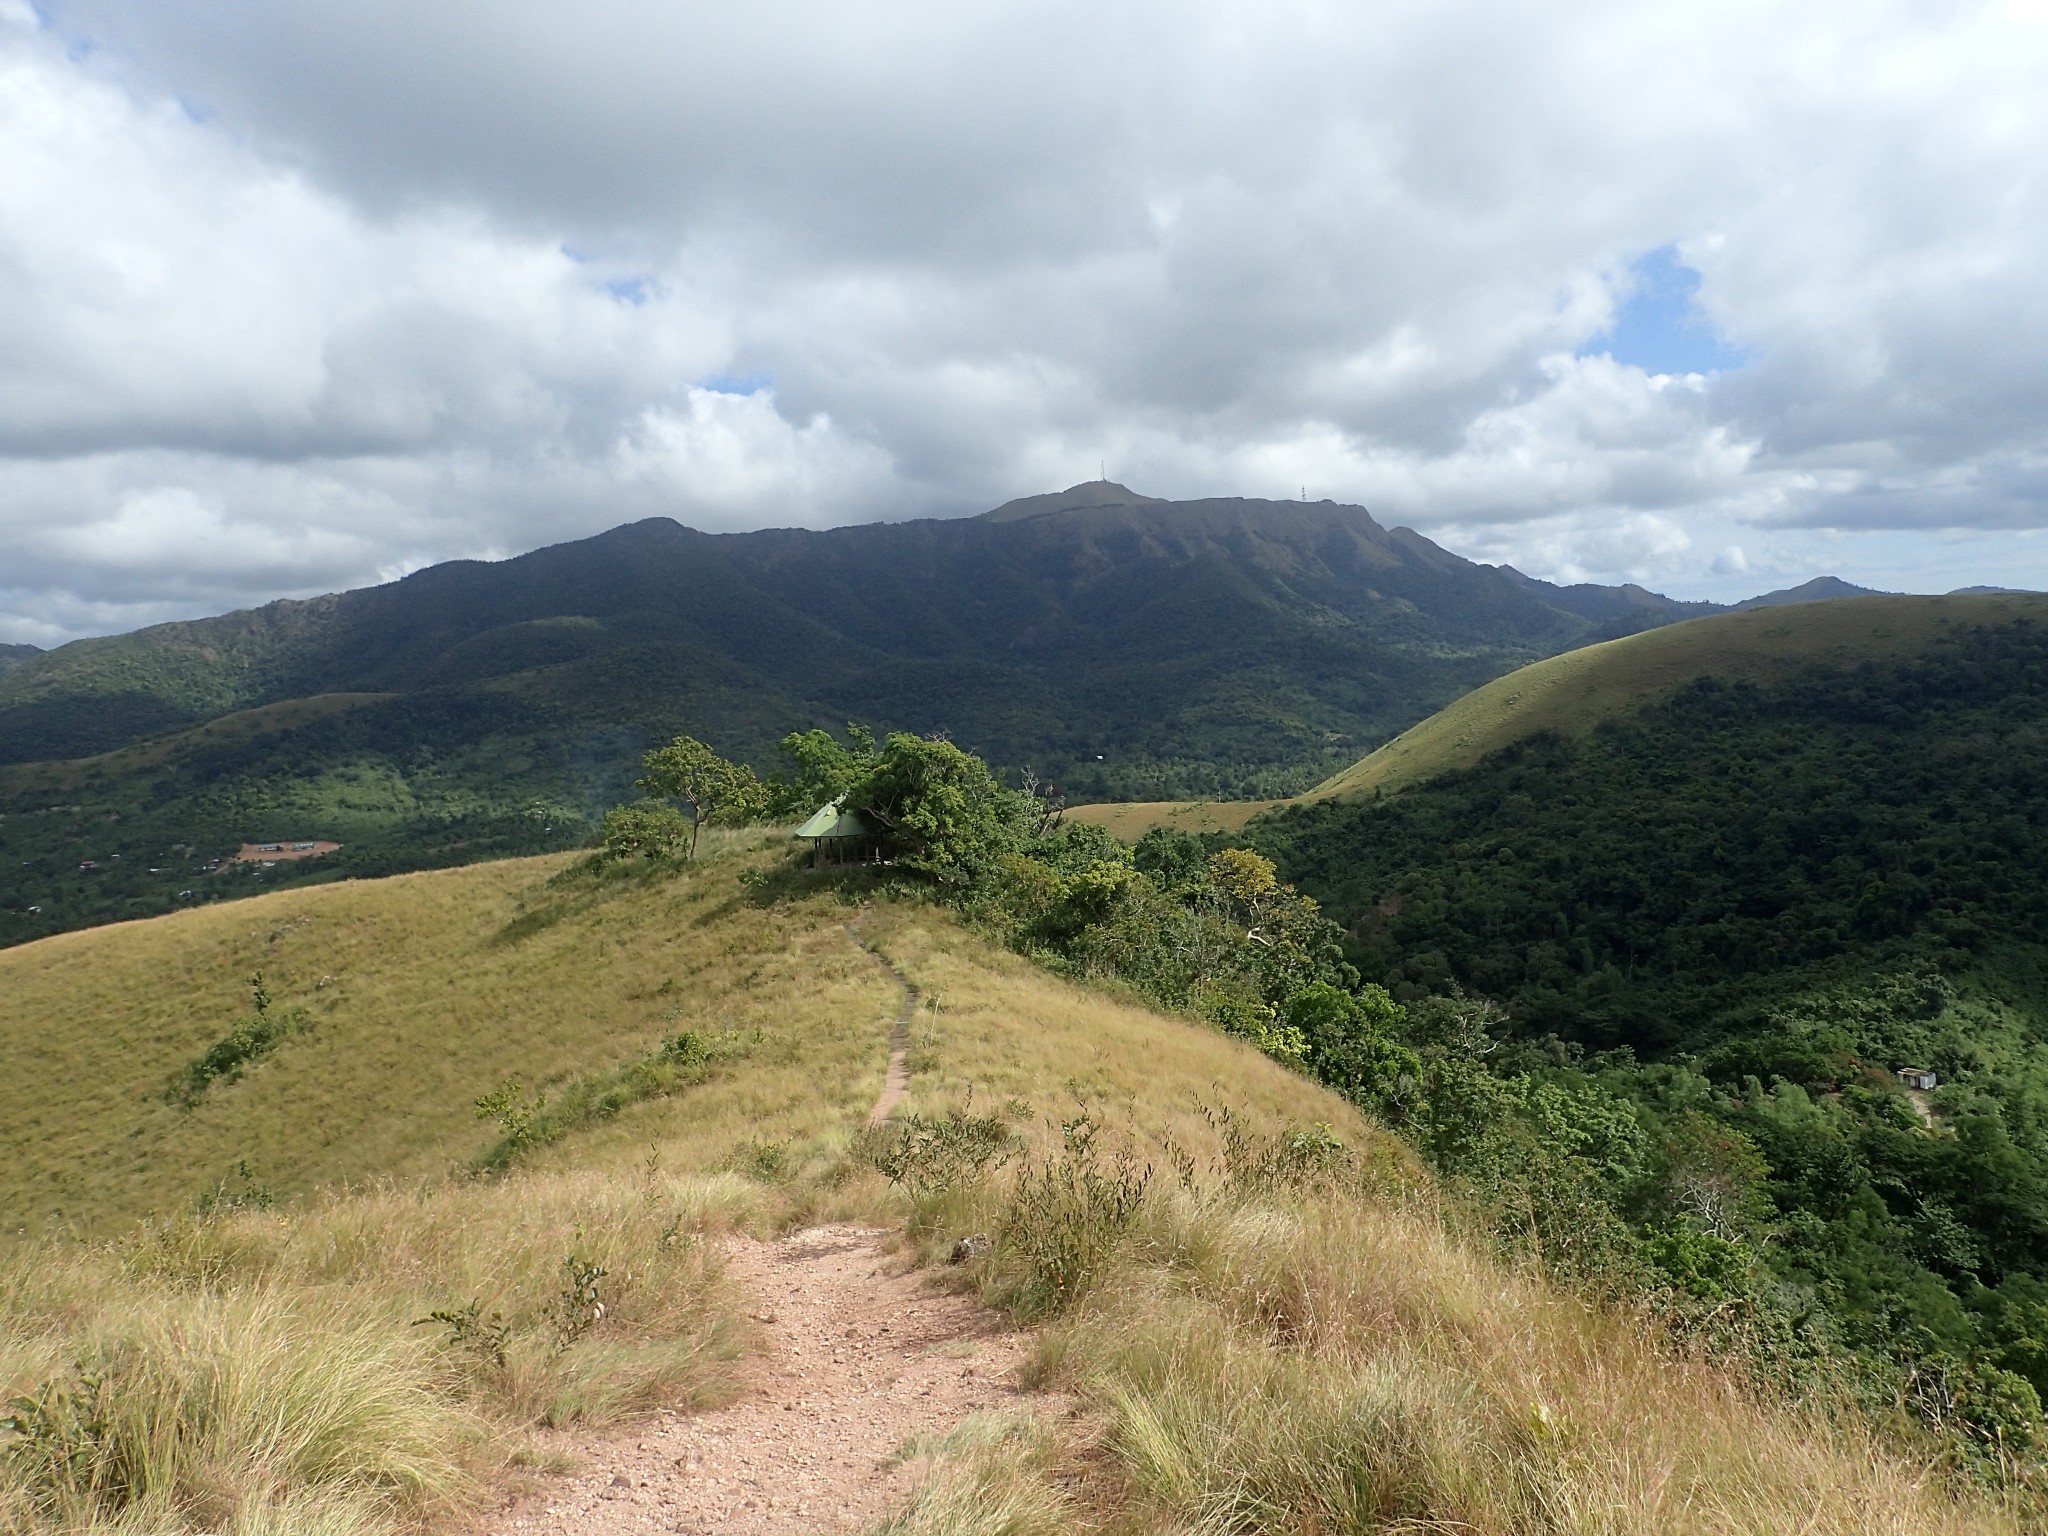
{"points": [[1283, 1327], [1132, 819], [424, 991], [1736, 906], [1572, 693], [177, 747]]}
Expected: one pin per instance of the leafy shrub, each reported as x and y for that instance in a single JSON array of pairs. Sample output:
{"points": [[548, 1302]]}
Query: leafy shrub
{"points": [[578, 1306], [254, 1037], [59, 1445], [928, 1156], [1254, 1162], [681, 1061], [1069, 1214], [649, 828], [470, 1331], [685, 1050], [517, 1115]]}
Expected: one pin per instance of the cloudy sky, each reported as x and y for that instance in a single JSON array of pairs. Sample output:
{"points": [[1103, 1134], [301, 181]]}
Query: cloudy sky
{"points": [[297, 295]]}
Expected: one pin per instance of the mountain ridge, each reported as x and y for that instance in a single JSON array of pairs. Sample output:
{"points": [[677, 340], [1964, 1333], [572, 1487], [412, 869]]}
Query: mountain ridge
{"points": [[1024, 578], [1119, 646]]}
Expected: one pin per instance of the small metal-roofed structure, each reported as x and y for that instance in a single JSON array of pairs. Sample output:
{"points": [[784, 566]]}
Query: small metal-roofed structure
{"points": [[840, 836]]}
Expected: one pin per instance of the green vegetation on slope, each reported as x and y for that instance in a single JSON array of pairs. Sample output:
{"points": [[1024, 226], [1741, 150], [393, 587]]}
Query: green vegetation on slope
{"points": [[1717, 924], [1116, 646], [1281, 1324], [412, 782], [1699, 1197]]}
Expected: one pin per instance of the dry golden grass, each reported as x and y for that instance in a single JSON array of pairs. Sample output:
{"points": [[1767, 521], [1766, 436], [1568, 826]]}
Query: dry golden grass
{"points": [[1258, 1358], [270, 1367], [1132, 819], [1333, 1359], [999, 1027], [423, 991], [191, 1339]]}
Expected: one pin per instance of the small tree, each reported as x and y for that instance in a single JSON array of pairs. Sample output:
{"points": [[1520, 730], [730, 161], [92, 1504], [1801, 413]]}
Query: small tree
{"points": [[943, 810], [821, 770], [710, 787]]}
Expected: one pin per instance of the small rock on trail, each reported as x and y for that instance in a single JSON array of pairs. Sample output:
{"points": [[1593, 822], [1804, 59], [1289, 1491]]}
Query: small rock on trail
{"points": [[860, 1361]]}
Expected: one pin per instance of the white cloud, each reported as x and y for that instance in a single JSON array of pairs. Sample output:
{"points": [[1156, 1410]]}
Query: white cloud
{"points": [[295, 294]]}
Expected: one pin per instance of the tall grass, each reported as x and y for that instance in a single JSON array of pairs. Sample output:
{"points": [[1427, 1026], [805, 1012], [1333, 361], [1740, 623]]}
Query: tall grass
{"points": [[1262, 1332], [1275, 1343], [268, 1369], [273, 1370], [421, 994]]}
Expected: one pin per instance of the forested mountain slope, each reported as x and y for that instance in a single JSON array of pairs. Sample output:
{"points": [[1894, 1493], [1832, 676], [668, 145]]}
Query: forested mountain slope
{"points": [[1740, 903], [1048, 630], [1116, 644]]}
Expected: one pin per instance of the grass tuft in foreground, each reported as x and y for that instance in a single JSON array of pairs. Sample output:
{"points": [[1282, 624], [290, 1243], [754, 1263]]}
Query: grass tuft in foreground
{"points": [[363, 1361]]}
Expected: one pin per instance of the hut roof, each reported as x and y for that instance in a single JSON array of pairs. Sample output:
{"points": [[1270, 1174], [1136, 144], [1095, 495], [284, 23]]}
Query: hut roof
{"points": [[831, 821]]}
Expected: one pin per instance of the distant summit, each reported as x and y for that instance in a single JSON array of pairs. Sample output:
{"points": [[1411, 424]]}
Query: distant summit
{"points": [[1085, 497], [1986, 591], [1819, 590], [12, 656]]}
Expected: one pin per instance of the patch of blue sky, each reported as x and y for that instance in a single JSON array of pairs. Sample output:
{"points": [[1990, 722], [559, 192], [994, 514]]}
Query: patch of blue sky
{"points": [[737, 383], [1659, 328], [630, 290]]}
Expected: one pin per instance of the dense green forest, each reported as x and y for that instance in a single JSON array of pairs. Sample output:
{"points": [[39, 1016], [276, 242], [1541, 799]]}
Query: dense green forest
{"points": [[417, 782], [1728, 918]]}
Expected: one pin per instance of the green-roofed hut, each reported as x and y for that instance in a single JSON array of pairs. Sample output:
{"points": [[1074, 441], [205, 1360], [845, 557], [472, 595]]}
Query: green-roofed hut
{"points": [[840, 836]]}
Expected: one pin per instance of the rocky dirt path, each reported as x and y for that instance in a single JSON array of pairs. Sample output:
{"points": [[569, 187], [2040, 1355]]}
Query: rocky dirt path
{"points": [[862, 1364]]}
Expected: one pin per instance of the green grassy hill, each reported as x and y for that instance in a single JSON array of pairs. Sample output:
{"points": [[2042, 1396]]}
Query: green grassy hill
{"points": [[424, 991], [1574, 692], [1734, 874]]}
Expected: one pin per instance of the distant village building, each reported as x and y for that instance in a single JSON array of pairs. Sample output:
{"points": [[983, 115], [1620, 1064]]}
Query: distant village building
{"points": [[1916, 1077]]}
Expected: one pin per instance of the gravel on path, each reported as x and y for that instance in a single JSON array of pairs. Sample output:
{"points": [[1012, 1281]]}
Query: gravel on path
{"points": [[861, 1363]]}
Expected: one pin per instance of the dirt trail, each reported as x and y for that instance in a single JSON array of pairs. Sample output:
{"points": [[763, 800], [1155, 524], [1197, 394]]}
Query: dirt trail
{"points": [[897, 1080], [861, 1363]]}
